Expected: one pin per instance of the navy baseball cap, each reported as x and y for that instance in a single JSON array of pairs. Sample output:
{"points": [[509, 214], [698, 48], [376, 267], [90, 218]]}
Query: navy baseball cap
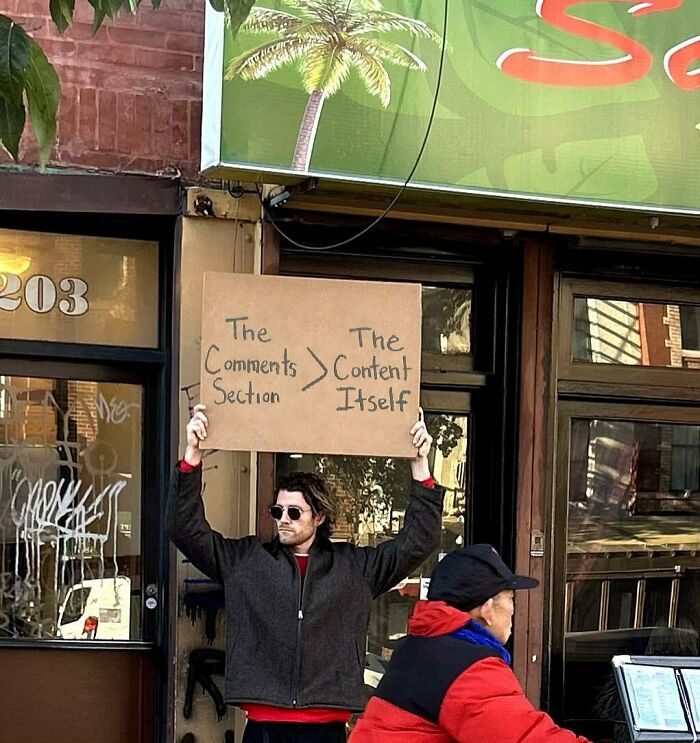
{"points": [[469, 577]]}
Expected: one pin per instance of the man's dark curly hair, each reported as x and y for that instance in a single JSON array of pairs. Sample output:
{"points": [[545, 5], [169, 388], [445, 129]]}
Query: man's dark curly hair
{"points": [[315, 493]]}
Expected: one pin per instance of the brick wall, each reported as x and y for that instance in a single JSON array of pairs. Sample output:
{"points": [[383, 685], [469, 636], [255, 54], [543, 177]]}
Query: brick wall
{"points": [[132, 93]]}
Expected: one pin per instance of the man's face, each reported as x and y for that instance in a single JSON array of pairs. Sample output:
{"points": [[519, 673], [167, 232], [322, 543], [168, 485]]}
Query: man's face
{"points": [[303, 530], [502, 616]]}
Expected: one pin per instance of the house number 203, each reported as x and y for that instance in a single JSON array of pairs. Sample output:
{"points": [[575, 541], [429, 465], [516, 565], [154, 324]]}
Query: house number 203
{"points": [[40, 294]]}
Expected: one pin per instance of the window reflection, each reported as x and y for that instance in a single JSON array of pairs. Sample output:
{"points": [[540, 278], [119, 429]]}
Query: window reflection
{"points": [[372, 495], [70, 503], [447, 320], [632, 553], [614, 331]]}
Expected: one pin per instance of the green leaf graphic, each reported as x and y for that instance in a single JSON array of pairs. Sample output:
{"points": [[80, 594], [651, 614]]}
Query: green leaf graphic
{"points": [[11, 124], [608, 169]]}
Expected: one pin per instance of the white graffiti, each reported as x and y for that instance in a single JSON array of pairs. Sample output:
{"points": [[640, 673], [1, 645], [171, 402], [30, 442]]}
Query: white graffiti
{"points": [[59, 499], [113, 410], [47, 511]]}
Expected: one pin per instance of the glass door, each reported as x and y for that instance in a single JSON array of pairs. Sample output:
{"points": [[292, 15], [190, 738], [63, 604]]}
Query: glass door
{"points": [[625, 573], [632, 569], [70, 509]]}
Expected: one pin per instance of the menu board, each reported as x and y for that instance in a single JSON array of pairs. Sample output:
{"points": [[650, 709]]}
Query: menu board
{"points": [[660, 695]]}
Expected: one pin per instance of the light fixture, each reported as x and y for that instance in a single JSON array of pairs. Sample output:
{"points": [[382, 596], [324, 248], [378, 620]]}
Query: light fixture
{"points": [[11, 263], [296, 456]]}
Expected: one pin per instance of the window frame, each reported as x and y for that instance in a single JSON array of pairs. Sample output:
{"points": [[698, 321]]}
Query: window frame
{"points": [[557, 569], [148, 367], [679, 382], [436, 368]]}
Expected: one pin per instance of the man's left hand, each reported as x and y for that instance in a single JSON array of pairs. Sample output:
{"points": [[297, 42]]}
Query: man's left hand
{"points": [[423, 442]]}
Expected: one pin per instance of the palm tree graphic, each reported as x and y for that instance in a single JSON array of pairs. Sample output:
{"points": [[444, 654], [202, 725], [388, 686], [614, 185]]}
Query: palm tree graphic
{"points": [[328, 38]]}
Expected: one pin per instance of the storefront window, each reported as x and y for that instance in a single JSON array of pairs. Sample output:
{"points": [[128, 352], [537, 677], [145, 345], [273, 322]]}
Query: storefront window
{"points": [[632, 553], [633, 333], [70, 509], [447, 320], [372, 495], [76, 289]]}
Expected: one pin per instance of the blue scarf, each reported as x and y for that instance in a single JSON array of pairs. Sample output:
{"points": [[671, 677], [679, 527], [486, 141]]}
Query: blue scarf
{"points": [[478, 635]]}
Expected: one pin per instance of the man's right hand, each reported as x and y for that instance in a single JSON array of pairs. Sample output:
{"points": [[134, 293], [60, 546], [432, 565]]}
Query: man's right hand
{"points": [[196, 432]]}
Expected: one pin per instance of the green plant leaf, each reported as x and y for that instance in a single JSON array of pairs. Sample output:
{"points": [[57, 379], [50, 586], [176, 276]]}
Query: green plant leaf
{"points": [[107, 9], [11, 123], [116, 5], [218, 5], [15, 54], [62, 13], [236, 12], [43, 94], [100, 7]]}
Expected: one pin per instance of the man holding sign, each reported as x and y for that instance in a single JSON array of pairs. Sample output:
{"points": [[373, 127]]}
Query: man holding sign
{"points": [[297, 608]]}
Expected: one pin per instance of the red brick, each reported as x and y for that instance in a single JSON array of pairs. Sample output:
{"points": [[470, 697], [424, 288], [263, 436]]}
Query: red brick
{"points": [[143, 121], [83, 12], [141, 37], [180, 122], [195, 130], [172, 20], [58, 50], [96, 52], [190, 42], [34, 26], [125, 123], [87, 117], [102, 160], [162, 124], [67, 115], [83, 32], [149, 164], [107, 120], [164, 60], [132, 93]]}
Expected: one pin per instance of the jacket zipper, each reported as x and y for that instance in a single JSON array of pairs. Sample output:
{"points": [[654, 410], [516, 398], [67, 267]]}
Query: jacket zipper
{"points": [[300, 617]]}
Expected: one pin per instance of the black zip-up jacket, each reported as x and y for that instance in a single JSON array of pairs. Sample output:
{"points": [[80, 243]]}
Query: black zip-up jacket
{"points": [[293, 647]]}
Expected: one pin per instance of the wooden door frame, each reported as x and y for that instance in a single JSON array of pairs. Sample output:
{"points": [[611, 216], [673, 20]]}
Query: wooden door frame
{"points": [[530, 658]]}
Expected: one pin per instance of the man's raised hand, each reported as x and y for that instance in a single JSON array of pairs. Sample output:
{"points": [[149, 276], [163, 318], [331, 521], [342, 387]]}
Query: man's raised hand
{"points": [[196, 432], [423, 442]]}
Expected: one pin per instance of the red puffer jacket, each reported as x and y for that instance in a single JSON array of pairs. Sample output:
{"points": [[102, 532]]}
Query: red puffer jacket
{"points": [[439, 689]]}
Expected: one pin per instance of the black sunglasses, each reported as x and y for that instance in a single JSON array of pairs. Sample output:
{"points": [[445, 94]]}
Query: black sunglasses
{"points": [[294, 512]]}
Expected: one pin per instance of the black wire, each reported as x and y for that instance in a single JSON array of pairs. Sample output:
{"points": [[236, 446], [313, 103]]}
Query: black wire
{"points": [[400, 193]]}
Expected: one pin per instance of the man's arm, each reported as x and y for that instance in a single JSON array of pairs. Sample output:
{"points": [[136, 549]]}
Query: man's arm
{"points": [[387, 564], [486, 702], [188, 527]]}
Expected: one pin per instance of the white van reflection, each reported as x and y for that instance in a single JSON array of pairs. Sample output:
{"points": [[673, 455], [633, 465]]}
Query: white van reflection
{"points": [[375, 667], [98, 609]]}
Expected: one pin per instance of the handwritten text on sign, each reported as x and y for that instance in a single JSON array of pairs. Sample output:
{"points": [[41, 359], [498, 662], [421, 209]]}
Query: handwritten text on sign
{"points": [[310, 365]]}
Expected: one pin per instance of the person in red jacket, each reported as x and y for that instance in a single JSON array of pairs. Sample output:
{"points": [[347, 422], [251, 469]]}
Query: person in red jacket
{"points": [[450, 680]]}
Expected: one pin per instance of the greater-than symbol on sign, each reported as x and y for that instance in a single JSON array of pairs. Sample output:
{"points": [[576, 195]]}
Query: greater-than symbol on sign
{"points": [[321, 364]]}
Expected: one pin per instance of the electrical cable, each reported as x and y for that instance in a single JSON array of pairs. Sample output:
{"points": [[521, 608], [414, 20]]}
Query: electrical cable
{"points": [[403, 188]]}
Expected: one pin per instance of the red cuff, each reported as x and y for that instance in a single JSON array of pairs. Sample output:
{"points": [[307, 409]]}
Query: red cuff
{"points": [[429, 483], [187, 467]]}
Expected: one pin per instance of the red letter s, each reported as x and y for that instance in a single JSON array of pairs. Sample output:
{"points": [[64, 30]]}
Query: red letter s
{"points": [[525, 64]]}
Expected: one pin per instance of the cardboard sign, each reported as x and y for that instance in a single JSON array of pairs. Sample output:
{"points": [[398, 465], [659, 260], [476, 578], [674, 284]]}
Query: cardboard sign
{"points": [[310, 365]]}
